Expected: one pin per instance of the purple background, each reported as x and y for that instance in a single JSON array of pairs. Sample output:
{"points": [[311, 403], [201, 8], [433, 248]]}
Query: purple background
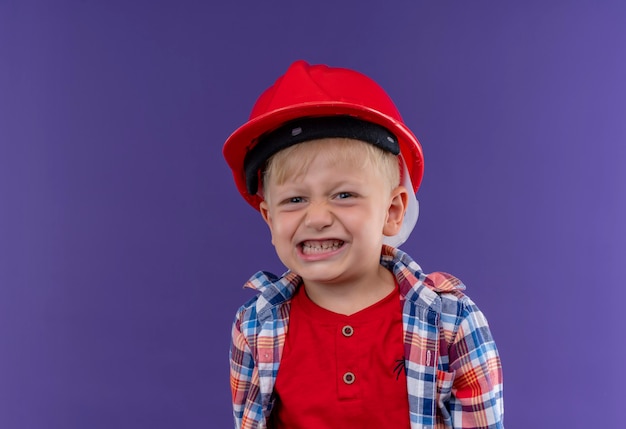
{"points": [[124, 245]]}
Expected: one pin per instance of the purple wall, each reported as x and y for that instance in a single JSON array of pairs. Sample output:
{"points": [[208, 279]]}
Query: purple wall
{"points": [[124, 245]]}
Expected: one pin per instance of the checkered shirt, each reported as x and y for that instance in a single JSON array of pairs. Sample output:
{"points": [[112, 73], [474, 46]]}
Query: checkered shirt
{"points": [[453, 371]]}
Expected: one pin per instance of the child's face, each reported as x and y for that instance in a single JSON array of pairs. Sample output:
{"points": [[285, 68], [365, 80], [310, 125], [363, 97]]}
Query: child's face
{"points": [[327, 222]]}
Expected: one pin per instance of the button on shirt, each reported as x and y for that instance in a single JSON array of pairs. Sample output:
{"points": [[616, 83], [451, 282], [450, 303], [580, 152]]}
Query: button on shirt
{"points": [[336, 369]]}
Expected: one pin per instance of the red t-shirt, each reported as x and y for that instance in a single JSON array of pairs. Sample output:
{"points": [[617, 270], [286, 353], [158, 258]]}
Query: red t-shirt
{"points": [[342, 371]]}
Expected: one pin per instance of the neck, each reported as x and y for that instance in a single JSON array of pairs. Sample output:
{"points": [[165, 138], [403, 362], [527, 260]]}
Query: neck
{"points": [[349, 298]]}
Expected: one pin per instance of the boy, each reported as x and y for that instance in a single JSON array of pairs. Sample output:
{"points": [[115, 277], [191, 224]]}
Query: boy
{"points": [[354, 335]]}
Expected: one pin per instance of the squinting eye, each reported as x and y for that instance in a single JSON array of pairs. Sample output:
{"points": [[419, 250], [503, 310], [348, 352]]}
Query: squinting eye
{"points": [[295, 200], [344, 195]]}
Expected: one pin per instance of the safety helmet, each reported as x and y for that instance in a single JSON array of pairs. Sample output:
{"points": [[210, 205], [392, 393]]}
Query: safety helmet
{"points": [[306, 91]]}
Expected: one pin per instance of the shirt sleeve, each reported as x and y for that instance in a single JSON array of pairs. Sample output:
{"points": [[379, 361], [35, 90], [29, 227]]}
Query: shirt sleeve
{"points": [[476, 392], [241, 370]]}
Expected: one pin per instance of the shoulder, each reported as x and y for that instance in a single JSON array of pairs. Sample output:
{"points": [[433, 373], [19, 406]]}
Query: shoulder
{"points": [[427, 290], [273, 292], [441, 292], [459, 316], [450, 290]]}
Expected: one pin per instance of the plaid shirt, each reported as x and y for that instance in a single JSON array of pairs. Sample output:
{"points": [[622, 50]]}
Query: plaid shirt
{"points": [[454, 376]]}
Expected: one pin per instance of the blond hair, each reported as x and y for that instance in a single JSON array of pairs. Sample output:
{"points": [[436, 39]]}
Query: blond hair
{"points": [[295, 160]]}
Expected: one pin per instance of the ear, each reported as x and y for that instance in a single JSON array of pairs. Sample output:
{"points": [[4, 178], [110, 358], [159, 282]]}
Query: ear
{"points": [[395, 212], [267, 217]]}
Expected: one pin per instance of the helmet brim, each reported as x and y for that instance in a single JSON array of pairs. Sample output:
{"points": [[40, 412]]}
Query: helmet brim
{"points": [[245, 137]]}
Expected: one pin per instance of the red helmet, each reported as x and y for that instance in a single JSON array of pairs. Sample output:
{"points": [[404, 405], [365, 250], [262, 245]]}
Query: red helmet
{"points": [[320, 91]]}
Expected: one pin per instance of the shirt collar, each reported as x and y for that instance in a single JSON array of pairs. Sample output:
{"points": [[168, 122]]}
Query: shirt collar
{"points": [[414, 284]]}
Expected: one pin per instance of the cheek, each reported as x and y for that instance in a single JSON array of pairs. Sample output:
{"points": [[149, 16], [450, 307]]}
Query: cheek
{"points": [[371, 220], [282, 227]]}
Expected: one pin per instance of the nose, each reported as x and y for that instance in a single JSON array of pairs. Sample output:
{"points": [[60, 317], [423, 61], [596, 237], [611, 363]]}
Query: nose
{"points": [[318, 216]]}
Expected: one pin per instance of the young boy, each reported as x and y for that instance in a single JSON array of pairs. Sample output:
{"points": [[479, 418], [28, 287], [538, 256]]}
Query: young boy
{"points": [[354, 335]]}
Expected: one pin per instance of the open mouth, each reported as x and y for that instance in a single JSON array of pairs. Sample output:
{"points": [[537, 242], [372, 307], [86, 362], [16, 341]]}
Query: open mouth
{"points": [[313, 247]]}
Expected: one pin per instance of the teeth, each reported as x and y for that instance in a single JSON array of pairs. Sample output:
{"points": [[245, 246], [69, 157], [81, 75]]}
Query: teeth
{"points": [[321, 246]]}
